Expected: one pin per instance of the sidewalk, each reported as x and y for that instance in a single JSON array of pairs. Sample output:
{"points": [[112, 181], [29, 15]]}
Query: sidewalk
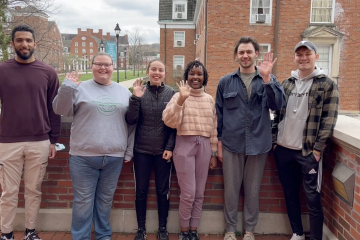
{"points": [[123, 236]]}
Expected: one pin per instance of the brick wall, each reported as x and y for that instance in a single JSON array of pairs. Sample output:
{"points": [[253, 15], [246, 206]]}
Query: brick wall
{"points": [[188, 50], [340, 218], [229, 20], [58, 193]]}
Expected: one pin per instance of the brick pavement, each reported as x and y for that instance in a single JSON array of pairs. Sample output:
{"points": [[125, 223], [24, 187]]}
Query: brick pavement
{"points": [[124, 236]]}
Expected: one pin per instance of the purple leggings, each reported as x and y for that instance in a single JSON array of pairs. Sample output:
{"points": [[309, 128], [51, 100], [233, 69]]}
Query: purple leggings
{"points": [[192, 156]]}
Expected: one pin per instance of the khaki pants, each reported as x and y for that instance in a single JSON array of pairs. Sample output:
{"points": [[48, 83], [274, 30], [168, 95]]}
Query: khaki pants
{"points": [[16, 158]]}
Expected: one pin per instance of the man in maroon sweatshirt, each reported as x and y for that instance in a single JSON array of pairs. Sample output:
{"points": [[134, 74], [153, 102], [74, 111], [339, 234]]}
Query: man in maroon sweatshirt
{"points": [[29, 129]]}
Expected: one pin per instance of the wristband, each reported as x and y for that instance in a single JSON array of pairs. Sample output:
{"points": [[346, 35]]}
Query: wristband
{"points": [[214, 154]]}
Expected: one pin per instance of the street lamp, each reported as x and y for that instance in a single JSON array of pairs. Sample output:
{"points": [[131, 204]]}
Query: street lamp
{"points": [[125, 62], [101, 46], [117, 32], [137, 58]]}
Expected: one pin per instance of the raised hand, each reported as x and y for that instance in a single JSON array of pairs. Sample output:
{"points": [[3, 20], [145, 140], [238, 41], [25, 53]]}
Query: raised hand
{"points": [[138, 88], [184, 90], [74, 77], [265, 67]]}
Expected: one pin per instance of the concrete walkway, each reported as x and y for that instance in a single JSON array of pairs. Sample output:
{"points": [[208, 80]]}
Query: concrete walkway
{"points": [[129, 83], [122, 236]]}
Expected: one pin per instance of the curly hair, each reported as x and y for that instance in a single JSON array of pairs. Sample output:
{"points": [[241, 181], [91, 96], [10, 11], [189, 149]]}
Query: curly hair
{"points": [[22, 28], [197, 64]]}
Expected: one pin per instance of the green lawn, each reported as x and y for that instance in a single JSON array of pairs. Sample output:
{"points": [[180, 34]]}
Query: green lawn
{"points": [[88, 76]]}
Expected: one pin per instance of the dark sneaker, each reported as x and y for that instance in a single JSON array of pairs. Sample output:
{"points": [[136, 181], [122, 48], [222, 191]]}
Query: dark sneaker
{"points": [[184, 236], [3, 237], [140, 234], [163, 234], [194, 235], [31, 236]]}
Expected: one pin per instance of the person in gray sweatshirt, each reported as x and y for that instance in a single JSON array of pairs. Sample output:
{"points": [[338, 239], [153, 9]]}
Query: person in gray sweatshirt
{"points": [[100, 141], [300, 132]]}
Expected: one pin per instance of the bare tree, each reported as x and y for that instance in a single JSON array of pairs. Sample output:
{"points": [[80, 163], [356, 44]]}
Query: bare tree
{"points": [[34, 13], [136, 41]]}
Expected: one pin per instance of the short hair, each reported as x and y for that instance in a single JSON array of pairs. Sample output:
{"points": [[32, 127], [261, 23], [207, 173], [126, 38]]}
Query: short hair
{"points": [[193, 64], [246, 39], [154, 60], [101, 54], [22, 28]]}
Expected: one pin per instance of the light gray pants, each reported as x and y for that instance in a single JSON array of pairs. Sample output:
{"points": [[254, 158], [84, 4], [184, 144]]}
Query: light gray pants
{"points": [[236, 167]]}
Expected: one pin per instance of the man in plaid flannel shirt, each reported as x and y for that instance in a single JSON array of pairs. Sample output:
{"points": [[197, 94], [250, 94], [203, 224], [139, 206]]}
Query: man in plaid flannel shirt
{"points": [[300, 131]]}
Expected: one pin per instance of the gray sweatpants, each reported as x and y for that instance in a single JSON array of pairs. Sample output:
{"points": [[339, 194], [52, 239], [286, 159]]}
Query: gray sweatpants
{"points": [[236, 168]]}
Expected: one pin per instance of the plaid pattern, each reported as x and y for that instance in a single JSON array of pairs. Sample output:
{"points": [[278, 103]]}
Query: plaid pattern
{"points": [[322, 114]]}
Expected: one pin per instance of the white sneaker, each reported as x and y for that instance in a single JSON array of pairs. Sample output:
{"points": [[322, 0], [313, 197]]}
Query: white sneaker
{"points": [[297, 237], [249, 236], [230, 236]]}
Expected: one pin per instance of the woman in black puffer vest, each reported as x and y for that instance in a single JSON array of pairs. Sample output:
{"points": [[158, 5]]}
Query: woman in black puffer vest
{"points": [[154, 143]]}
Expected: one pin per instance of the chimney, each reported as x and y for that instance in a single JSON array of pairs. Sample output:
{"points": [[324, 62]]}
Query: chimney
{"points": [[79, 30], [108, 36], [100, 32]]}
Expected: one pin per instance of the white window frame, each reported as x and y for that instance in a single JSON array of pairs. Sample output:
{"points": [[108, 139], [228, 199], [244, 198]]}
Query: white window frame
{"points": [[176, 40], [179, 2], [260, 57], [332, 12], [175, 64], [76, 50], [268, 18], [91, 44], [330, 47], [83, 44], [91, 51], [91, 56], [83, 50], [76, 44], [65, 49]]}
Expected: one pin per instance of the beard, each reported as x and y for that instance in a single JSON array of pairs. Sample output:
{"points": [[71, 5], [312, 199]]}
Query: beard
{"points": [[25, 56], [249, 63]]}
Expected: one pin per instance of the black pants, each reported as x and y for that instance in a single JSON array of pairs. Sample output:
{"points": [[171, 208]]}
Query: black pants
{"points": [[292, 166], [143, 164]]}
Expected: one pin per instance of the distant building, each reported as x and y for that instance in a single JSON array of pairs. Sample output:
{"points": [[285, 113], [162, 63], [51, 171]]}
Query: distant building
{"points": [[85, 44], [208, 30], [47, 35]]}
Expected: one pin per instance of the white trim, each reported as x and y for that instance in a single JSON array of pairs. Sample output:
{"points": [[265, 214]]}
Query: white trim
{"points": [[182, 40], [332, 13], [198, 10], [265, 23], [177, 25], [179, 2]]}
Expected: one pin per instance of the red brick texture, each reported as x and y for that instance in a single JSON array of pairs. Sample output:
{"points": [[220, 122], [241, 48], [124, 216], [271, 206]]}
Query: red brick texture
{"points": [[230, 20], [58, 193], [341, 219]]}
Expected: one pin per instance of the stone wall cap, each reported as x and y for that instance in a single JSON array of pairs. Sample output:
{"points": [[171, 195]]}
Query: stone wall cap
{"points": [[347, 129]]}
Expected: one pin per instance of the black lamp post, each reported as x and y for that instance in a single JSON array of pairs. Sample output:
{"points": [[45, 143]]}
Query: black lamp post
{"points": [[117, 32], [137, 58], [125, 62], [101, 46]]}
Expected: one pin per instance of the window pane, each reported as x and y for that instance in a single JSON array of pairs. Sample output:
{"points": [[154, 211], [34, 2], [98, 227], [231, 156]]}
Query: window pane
{"points": [[179, 36], [324, 58], [178, 60], [180, 8], [322, 10], [264, 48]]}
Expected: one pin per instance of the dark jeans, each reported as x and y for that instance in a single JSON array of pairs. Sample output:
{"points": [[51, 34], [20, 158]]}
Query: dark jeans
{"points": [[292, 166], [143, 165]]}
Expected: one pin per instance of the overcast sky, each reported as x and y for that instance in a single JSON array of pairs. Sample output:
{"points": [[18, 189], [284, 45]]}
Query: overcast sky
{"points": [[104, 14]]}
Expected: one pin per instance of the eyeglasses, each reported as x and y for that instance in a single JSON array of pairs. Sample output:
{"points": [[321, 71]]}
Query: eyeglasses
{"points": [[99, 65]]}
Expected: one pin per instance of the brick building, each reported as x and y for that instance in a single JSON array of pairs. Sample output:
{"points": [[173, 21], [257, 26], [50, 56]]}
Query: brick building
{"points": [[278, 25], [85, 44], [47, 35]]}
